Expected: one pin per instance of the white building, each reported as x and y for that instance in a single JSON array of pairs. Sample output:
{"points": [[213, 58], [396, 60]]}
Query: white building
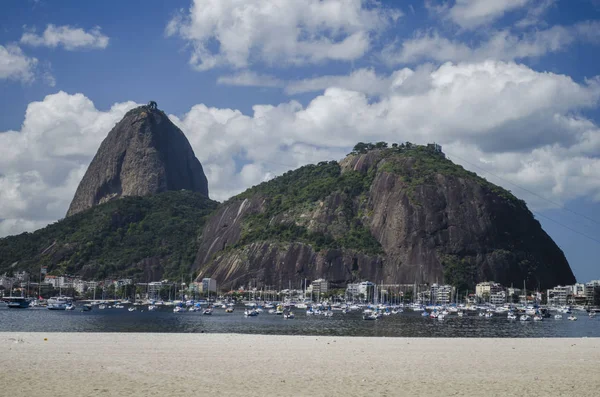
{"points": [[441, 294], [209, 285], [499, 298], [557, 296], [353, 290], [318, 287], [589, 292], [487, 288], [80, 285], [578, 289]]}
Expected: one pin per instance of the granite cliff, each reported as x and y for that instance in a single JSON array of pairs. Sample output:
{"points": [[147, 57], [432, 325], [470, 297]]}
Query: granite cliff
{"points": [[145, 153], [394, 215]]}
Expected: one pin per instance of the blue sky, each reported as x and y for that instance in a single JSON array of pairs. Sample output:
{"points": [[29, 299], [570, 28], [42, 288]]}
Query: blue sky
{"points": [[509, 88]]}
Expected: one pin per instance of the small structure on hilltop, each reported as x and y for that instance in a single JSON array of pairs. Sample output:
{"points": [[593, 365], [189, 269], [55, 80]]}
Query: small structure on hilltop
{"points": [[436, 148], [152, 105]]}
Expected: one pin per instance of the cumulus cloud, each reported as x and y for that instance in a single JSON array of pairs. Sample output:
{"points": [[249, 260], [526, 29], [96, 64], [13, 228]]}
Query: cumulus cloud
{"points": [[43, 162], [470, 14], [68, 37], [15, 65], [503, 117], [238, 33], [500, 45]]}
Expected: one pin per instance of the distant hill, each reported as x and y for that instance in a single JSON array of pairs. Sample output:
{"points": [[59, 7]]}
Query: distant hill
{"points": [[399, 214], [144, 154], [146, 237]]}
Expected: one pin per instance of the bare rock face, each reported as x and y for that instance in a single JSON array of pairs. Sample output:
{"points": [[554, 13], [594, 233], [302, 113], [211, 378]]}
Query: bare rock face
{"points": [[426, 214], [144, 154]]}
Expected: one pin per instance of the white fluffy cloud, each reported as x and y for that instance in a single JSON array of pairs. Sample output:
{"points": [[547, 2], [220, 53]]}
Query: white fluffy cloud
{"points": [[500, 45], [238, 33], [15, 65], [470, 14], [503, 117], [70, 38], [41, 165]]}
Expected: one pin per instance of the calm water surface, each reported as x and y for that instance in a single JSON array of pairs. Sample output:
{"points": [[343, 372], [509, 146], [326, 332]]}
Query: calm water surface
{"points": [[408, 324]]}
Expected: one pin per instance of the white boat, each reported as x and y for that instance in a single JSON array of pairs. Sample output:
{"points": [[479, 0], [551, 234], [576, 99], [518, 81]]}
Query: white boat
{"points": [[289, 316], [512, 316], [441, 316], [461, 313], [592, 314], [70, 306], [489, 315], [178, 309], [132, 309], [207, 312], [86, 307], [229, 309], [101, 307], [572, 318], [59, 302], [537, 317], [524, 317], [558, 317], [250, 313], [369, 316]]}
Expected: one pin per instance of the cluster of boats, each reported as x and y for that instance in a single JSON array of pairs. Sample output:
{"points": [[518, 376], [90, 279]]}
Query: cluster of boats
{"points": [[369, 311], [521, 313], [54, 303]]}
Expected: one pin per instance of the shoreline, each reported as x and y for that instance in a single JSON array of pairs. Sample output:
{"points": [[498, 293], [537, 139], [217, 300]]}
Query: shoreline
{"points": [[147, 364]]}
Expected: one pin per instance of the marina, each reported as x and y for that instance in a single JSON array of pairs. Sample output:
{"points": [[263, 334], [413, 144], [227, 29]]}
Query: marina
{"points": [[249, 318]]}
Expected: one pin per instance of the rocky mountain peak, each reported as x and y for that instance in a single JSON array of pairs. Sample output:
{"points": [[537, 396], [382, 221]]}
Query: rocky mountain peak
{"points": [[144, 153]]}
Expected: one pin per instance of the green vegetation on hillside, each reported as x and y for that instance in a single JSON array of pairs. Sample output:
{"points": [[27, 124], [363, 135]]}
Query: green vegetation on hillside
{"points": [[308, 184], [107, 240], [293, 192], [419, 165]]}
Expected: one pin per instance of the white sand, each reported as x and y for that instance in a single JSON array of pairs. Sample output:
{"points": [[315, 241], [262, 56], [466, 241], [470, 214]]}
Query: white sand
{"points": [[106, 364]]}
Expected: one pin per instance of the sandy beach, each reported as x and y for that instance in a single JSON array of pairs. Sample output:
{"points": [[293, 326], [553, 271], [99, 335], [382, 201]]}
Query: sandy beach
{"points": [[135, 364]]}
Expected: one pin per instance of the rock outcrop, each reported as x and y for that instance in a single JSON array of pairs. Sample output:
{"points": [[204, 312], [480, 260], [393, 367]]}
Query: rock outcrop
{"points": [[397, 215], [144, 154]]}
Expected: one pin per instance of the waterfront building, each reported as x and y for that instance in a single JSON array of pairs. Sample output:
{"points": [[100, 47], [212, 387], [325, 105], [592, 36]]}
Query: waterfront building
{"points": [[589, 293], [499, 298], [353, 291], [558, 295], [487, 288], [80, 286], [209, 285], [320, 286], [578, 290], [441, 294]]}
